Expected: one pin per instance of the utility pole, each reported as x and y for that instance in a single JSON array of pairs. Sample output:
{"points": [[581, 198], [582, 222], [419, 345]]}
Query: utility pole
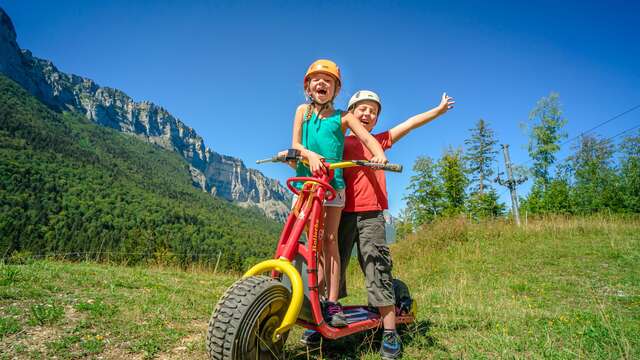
{"points": [[511, 183]]}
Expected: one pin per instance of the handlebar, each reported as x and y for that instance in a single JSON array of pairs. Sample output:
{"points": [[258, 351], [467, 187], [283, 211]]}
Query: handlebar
{"points": [[292, 156], [387, 167], [278, 159]]}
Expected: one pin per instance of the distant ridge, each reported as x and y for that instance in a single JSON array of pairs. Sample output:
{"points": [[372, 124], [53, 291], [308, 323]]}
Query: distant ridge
{"points": [[220, 175]]}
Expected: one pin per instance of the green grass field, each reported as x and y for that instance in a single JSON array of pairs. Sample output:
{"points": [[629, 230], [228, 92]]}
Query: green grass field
{"points": [[557, 288]]}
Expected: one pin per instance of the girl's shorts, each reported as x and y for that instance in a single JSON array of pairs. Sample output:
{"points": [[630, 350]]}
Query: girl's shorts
{"points": [[338, 201]]}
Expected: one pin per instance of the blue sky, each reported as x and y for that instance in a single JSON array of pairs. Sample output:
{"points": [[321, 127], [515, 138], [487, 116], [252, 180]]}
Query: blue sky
{"points": [[233, 70]]}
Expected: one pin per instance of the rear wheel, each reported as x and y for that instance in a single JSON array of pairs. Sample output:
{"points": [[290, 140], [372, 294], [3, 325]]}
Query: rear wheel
{"points": [[405, 305], [404, 302], [243, 322]]}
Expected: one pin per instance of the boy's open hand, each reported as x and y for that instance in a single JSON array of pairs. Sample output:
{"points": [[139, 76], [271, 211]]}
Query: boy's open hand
{"points": [[445, 104]]}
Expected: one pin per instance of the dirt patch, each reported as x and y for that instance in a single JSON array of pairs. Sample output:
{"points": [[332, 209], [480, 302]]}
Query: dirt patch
{"points": [[190, 346], [32, 341], [29, 341], [72, 315], [112, 352]]}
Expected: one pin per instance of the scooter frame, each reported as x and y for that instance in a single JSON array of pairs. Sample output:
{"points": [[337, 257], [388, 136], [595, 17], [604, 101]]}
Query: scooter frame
{"points": [[307, 215]]}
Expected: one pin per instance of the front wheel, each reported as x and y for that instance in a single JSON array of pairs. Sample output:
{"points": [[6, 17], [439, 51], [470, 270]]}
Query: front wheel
{"points": [[243, 321]]}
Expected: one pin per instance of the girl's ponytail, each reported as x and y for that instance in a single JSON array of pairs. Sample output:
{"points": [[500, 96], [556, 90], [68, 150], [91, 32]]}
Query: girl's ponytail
{"points": [[307, 113]]}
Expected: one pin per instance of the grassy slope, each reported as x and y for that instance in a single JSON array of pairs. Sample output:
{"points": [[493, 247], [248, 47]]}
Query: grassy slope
{"points": [[561, 288]]}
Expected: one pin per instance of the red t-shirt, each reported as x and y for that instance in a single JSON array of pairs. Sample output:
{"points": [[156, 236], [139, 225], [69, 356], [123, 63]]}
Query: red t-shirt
{"points": [[366, 189]]}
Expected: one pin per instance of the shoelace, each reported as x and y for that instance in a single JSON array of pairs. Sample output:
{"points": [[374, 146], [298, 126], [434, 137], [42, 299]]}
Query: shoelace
{"points": [[391, 339], [334, 309]]}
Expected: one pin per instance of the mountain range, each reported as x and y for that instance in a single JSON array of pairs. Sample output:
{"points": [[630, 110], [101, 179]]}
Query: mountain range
{"points": [[219, 175]]}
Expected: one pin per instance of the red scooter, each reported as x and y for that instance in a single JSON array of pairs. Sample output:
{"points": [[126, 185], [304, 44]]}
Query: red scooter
{"points": [[253, 317]]}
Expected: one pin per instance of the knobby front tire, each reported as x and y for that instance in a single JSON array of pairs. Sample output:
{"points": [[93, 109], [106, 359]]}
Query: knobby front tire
{"points": [[243, 321]]}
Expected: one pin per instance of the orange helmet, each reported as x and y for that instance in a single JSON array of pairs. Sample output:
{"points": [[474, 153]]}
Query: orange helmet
{"points": [[325, 67]]}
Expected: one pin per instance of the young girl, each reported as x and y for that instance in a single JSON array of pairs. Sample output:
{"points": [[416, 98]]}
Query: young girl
{"points": [[319, 133]]}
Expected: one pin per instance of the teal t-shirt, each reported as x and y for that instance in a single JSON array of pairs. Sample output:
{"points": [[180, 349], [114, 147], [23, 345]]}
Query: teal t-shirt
{"points": [[324, 137]]}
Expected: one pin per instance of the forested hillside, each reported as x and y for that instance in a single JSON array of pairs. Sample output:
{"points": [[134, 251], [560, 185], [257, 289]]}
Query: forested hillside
{"points": [[72, 188]]}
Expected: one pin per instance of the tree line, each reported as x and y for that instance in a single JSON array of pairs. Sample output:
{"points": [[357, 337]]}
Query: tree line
{"points": [[599, 175]]}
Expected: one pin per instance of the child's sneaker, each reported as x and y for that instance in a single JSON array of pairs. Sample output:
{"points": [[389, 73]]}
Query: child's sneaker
{"points": [[311, 338], [334, 315], [391, 345]]}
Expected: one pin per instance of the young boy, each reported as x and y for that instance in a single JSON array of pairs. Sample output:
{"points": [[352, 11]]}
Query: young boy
{"points": [[362, 217]]}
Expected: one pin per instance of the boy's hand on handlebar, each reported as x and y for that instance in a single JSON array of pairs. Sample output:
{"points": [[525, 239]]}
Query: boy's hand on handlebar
{"points": [[379, 160]]}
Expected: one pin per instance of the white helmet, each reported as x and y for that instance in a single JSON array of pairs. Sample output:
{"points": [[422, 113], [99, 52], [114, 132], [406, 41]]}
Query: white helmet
{"points": [[364, 95]]}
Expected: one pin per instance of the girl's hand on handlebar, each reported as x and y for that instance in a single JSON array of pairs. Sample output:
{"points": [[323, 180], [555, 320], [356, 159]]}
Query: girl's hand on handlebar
{"points": [[283, 154], [315, 162]]}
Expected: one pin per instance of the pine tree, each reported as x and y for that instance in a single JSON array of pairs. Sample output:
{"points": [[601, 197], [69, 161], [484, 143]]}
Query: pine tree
{"points": [[480, 155], [452, 171]]}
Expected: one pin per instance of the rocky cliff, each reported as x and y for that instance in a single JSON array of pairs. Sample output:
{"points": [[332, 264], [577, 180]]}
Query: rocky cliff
{"points": [[220, 175]]}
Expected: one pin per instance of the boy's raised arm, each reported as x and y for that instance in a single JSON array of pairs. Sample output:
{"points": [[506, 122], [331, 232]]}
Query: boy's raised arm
{"points": [[402, 129]]}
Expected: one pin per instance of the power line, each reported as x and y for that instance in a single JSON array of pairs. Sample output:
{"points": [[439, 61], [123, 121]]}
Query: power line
{"points": [[593, 128], [625, 131], [621, 133], [601, 124], [609, 138], [588, 131]]}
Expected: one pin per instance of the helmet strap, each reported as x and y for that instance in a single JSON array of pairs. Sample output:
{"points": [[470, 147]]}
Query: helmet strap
{"points": [[316, 104], [319, 107]]}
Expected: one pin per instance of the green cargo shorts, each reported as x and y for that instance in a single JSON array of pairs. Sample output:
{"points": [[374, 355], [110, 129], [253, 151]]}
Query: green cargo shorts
{"points": [[366, 231]]}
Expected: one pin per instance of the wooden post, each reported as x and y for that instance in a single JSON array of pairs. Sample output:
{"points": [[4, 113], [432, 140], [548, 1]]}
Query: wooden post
{"points": [[215, 269]]}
